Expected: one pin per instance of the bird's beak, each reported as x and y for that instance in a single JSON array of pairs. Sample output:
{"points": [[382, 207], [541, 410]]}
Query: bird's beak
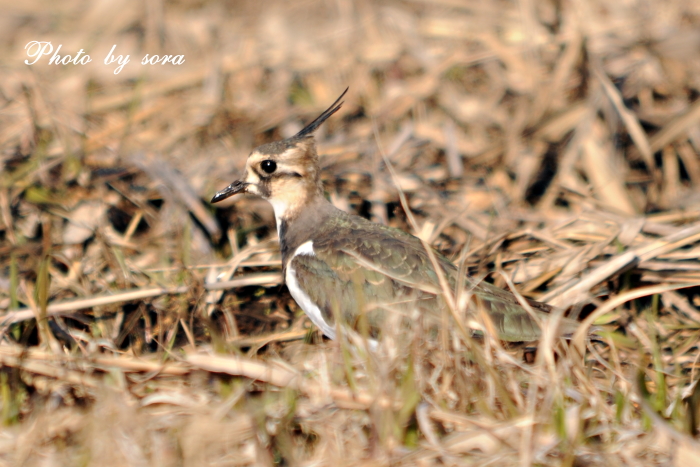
{"points": [[236, 187]]}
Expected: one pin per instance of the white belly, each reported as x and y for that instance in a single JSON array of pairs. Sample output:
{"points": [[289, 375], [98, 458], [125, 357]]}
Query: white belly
{"points": [[302, 299]]}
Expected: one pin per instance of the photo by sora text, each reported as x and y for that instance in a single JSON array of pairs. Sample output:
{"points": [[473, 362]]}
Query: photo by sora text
{"points": [[38, 49]]}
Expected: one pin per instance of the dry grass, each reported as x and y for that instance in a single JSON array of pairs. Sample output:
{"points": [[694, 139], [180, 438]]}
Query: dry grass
{"points": [[549, 145]]}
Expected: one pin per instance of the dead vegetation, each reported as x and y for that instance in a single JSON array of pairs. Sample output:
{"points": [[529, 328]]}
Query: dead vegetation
{"points": [[550, 145]]}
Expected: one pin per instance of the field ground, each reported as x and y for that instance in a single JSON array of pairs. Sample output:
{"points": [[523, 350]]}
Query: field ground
{"points": [[548, 146]]}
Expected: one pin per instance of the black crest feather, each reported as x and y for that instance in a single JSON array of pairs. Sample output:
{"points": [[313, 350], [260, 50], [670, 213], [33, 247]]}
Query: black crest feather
{"points": [[311, 127]]}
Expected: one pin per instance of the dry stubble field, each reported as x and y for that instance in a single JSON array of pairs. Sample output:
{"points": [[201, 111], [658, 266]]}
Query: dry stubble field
{"points": [[549, 146]]}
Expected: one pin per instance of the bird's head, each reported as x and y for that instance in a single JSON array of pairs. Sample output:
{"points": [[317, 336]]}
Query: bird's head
{"points": [[286, 172]]}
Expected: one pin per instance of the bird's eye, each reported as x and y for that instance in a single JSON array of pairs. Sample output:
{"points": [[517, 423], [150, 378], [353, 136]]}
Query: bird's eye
{"points": [[268, 166]]}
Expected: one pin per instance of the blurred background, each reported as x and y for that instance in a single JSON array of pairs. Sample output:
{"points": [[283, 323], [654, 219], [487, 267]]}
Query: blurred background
{"points": [[538, 136]]}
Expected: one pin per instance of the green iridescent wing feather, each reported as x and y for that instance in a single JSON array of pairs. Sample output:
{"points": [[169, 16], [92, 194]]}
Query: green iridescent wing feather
{"points": [[361, 265]]}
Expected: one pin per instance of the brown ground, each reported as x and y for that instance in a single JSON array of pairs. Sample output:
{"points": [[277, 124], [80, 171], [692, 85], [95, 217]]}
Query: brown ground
{"points": [[551, 144]]}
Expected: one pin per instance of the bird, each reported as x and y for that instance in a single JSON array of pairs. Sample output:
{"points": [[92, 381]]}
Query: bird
{"points": [[340, 267]]}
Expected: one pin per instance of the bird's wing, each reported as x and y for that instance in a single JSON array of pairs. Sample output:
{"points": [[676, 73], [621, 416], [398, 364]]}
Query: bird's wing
{"points": [[512, 321], [358, 263], [340, 287], [360, 267], [379, 255]]}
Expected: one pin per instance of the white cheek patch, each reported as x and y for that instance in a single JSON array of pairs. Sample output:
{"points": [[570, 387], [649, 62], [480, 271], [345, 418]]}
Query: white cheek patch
{"points": [[252, 176], [301, 297], [280, 208]]}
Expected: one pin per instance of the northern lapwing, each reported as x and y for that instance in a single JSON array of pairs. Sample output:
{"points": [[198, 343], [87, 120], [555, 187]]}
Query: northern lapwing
{"points": [[339, 265]]}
